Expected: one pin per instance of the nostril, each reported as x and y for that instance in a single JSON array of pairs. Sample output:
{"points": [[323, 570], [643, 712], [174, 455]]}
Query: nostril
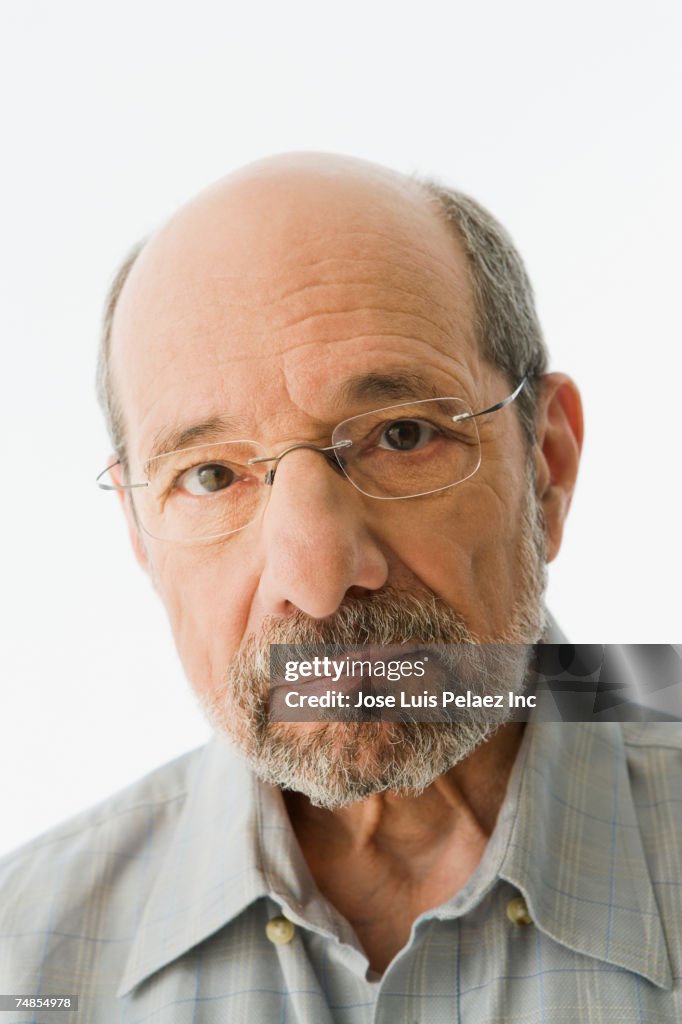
{"points": [[362, 593]]}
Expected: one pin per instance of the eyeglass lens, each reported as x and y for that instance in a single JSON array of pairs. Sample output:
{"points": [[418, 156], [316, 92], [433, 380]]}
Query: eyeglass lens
{"points": [[401, 451]]}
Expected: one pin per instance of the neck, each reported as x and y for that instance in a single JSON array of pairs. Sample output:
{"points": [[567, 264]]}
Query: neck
{"points": [[384, 860]]}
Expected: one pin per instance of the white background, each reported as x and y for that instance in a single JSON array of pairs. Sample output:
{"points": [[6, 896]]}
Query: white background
{"points": [[563, 120]]}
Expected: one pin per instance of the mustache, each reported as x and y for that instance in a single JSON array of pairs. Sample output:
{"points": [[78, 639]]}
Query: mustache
{"points": [[389, 616]]}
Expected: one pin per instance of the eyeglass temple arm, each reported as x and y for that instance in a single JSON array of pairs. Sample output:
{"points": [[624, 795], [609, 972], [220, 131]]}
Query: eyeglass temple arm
{"points": [[493, 408], [330, 448], [115, 487]]}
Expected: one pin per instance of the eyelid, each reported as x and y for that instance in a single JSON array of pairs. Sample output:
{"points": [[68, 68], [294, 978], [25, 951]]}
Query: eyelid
{"points": [[150, 465], [174, 482], [202, 465]]}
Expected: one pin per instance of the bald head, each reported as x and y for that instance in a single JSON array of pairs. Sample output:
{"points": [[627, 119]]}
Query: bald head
{"points": [[300, 249], [275, 205]]}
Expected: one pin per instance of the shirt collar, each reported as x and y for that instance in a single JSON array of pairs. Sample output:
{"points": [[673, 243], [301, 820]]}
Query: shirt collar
{"points": [[571, 844], [211, 871], [233, 844]]}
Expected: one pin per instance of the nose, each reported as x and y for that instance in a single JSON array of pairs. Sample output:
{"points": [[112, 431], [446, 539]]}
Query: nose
{"points": [[317, 545]]}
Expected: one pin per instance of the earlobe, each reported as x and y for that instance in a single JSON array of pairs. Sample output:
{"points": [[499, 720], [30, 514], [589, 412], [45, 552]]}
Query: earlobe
{"points": [[558, 446]]}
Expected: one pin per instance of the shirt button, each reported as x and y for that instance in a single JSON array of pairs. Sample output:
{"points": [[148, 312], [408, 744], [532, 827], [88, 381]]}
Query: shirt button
{"points": [[517, 911], [280, 930]]}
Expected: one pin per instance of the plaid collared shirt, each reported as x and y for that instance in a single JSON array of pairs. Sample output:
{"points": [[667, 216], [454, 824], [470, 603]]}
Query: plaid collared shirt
{"points": [[153, 907]]}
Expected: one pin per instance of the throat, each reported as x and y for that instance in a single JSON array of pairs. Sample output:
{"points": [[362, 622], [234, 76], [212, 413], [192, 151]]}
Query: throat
{"points": [[382, 884], [381, 896], [385, 860]]}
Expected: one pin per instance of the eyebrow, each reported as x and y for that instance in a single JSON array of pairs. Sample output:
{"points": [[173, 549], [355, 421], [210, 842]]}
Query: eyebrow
{"points": [[394, 384], [213, 429]]}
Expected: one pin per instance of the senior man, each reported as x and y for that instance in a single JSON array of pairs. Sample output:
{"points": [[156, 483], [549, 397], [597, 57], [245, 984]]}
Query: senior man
{"points": [[282, 366]]}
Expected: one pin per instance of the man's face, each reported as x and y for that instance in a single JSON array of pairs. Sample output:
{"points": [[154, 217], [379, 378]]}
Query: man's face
{"points": [[261, 303]]}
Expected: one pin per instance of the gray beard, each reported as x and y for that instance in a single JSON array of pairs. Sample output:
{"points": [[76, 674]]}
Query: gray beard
{"points": [[335, 763]]}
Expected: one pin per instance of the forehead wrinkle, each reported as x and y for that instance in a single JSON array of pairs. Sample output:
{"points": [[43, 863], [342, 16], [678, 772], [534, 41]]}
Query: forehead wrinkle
{"points": [[324, 311], [427, 263], [401, 239], [217, 298], [408, 308], [407, 263], [365, 309], [358, 296], [360, 336], [354, 282]]}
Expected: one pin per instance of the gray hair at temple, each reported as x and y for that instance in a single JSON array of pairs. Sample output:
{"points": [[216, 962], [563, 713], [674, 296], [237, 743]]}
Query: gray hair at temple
{"points": [[507, 326]]}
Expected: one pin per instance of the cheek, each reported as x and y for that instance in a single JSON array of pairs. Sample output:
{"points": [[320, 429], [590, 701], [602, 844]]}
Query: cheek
{"points": [[463, 547], [207, 602]]}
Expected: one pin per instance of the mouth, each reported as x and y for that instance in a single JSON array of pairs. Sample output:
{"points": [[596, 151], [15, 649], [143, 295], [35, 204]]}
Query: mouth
{"points": [[348, 668]]}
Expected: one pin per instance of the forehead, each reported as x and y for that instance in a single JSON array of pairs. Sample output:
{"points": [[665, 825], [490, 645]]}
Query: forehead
{"points": [[258, 300]]}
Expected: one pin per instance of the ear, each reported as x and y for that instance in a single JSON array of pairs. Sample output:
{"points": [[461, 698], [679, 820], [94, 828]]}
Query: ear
{"points": [[559, 426], [134, 529]]}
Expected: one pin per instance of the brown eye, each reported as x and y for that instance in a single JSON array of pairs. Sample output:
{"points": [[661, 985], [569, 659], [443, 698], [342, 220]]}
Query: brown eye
{"points": [[206, 478], [406, 435]]}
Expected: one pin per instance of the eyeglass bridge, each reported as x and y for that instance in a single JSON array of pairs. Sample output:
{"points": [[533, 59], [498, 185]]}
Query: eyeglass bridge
{"points": [[334, 460]]}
